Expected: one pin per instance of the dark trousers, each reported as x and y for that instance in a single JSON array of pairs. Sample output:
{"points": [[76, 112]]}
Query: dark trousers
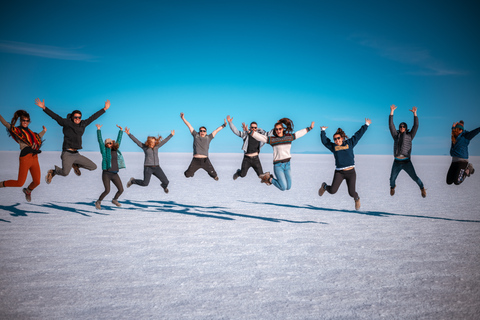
{"points": [[147, 174], [399, 165], [350, 176], [200, 163], [108, 177], [456, 173], [250, 162]]}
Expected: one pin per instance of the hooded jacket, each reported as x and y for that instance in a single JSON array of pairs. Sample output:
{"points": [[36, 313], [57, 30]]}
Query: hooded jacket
{"points": [[402, 142], [459, 149], [72, 132]]}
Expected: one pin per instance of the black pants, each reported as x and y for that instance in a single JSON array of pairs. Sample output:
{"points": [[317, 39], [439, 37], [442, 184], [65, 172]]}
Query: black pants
{"points": [[250, 162], [456, 173], [200, 163], [350, 176], [113, 177], [147, 174]]}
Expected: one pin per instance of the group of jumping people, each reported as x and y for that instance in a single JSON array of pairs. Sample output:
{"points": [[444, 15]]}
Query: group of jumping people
{"points": [[254, 138]]}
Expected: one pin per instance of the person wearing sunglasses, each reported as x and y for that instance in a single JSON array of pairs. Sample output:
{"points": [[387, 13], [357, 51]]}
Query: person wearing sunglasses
{"points": [[342, 149], [30, 143], [251, 148], [112, 162], [460, 168], [73, 130], [151, 164], [281, 142], [402, 149], [201, 144]]}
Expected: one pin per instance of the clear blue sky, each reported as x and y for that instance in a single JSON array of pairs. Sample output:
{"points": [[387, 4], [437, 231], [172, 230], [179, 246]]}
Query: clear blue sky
{"points": [[332, 62]]}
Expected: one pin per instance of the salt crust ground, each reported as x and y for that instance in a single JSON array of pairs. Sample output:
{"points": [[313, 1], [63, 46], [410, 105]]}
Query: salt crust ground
{"points": [[239, 249]]}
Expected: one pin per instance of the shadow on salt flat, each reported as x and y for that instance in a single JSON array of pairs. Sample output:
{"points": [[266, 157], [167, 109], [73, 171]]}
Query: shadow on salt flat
{"points": [[368, 213], [16, 212]]}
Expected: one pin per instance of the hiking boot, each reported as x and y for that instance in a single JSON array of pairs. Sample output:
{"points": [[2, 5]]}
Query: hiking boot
{"points": [[130, 182], [470, 170], [236, 175], [424, 192], [114, 201], [322, 189], [357, 204], [165, 189], [28, 194], [216, 178], [76, 169], [265, 178], [98, 204], [2, 184], [49, 176], [392, 191]]}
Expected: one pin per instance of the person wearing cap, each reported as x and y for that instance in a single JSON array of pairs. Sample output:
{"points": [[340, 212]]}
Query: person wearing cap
{"points": [[402, 149], [460, 168], [201, 144], [73, 130], [112, 162]]}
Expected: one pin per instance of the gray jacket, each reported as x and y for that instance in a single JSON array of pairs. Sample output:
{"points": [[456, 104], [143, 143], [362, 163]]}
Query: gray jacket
{"points": [[151, 154], [402, 141], [244, 135]]}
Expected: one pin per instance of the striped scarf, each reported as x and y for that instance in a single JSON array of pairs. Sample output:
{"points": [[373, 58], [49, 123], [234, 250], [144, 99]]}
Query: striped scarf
{"points": [[26, 136]]}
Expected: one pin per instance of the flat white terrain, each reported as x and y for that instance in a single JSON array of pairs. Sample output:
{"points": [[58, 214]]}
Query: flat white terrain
{"points": [[240, 249]]}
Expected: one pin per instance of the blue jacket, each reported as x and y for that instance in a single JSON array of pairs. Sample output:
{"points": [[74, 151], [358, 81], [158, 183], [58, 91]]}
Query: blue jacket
{"points": [[459, 149], [343, 154], [107, 152]]}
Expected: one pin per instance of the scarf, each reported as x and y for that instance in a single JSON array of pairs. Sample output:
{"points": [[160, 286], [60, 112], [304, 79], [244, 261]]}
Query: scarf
{"points": [[27, 136]]}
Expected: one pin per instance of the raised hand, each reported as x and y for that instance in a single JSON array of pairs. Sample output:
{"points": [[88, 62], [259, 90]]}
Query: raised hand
{"points": [[182, 115], [323, 128], [229, 119], [173, 132], [98, 126], [107, 105], [44, 129], [368, 121], [244, 126], [119, 127], [127, 131], [40, 103], [414, 110], [312, 125]]}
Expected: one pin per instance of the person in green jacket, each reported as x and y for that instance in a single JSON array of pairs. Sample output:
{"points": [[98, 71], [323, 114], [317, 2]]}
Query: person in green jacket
{"points": [[112, 162]]}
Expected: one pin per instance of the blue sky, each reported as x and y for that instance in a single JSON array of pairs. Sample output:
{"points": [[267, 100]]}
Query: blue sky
{"points": [[332, 62]]}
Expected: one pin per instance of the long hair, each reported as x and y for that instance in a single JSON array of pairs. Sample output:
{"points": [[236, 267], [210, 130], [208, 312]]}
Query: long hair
{"points": [[456, 130], [287, 125], [341, 133], [19, 114], [157, 139], [114, 146]]}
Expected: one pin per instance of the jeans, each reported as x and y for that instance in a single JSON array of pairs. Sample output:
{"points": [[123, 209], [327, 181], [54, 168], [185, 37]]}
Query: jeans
{"points": [[399, 165], [283, 178]]}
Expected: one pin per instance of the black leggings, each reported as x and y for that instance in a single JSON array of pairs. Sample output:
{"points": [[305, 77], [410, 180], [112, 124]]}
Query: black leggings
{"points": [[147, 174], [350, 176], [456, 173], [250, 162], [113, 177]]}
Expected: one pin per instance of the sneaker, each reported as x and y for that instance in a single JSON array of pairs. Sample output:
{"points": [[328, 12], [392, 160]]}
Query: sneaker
{"points": [[76, 169], [165, 189], [28, 194], [424, 192], [216, 178], [265, 178], [98, 205], [392, 191], [470, 170], [236, 175], [357, 204], [130, 182], [49, 176], [322, 189], [115, 202]]}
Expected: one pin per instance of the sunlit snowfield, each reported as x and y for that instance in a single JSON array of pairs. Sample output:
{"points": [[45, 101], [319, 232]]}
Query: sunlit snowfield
{"points": [[239, 249]]}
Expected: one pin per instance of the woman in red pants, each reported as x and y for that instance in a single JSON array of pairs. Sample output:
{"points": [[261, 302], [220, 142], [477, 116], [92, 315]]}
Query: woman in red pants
{"points": [[30, 143]]}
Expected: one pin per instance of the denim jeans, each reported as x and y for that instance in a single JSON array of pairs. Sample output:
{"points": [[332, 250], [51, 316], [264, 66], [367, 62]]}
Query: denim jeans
{"points": [[283, 178], [399, 165]]}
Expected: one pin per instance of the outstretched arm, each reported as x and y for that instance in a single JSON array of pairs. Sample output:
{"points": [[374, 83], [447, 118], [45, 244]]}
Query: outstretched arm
{"points": [[182, 115], [234, 129], [391, 125], [413, 132], [301, 133], [120, 135], [42, 132], [52, 114], [219, 128], [100, 139], [392, 108]]}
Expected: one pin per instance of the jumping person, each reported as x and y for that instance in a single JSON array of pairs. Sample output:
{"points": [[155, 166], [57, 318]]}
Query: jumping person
{"points": [[460, 168], [402, 149], [30, 143], [342, 150], [201, 144], [251, 148], [281, 142], [151, 164], [112, 162], [73, 129]]}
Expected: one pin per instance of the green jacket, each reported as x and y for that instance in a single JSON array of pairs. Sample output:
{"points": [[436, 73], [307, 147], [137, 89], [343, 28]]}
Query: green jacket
{"points": [[107, 152]]}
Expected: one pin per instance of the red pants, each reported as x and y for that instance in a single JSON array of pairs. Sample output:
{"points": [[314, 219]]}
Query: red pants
{"points": [[28, 162]]}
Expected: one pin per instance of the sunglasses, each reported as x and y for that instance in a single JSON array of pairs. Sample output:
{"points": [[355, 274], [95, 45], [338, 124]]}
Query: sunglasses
{"points": [[402, 127], [203, 130], [108, 143], [77, 118], [337, 138], [25, 120], [278, 129], [253, 127]]}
